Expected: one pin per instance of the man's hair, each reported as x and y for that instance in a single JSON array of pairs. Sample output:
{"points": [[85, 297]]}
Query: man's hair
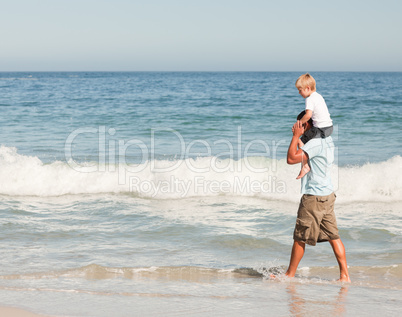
{"points": [[305, 80], [301, 115]]}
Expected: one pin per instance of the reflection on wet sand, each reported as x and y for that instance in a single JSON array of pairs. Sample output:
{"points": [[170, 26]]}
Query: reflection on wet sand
{"points": [[300, 305]]}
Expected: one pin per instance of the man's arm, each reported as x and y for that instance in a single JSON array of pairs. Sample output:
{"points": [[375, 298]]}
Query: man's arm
{"points": [[296, 155]]}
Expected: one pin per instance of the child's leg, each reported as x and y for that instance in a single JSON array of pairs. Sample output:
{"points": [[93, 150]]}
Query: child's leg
{"points": [[304, 170], [304, 165]]}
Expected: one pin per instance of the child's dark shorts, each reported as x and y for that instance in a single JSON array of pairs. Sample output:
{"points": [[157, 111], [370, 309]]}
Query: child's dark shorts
{"points": [[314, 132], [316, 221]]}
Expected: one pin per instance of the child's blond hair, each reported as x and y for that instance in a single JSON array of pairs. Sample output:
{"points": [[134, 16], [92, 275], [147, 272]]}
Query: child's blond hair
{"points": [[305, 80]]}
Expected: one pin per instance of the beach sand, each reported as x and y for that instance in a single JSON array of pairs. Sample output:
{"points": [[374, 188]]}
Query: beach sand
{"points": [[16, 312]]}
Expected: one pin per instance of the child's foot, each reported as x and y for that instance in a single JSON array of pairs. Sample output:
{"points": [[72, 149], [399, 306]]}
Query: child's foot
{"points": [[305, 169]]}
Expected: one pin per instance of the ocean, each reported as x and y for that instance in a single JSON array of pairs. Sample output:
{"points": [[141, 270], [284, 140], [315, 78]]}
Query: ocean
{"points": [[168, 194]]}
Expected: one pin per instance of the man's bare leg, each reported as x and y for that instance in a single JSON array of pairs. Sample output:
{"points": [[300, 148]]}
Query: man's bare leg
{"points": [[340, 254], [295, 257]]}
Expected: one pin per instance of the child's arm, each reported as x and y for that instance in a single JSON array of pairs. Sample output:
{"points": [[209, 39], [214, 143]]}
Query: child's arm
{"points": [[307, 116]]}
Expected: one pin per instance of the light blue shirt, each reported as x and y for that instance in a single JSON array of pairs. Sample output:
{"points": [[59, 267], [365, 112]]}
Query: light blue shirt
{"points": [[321, 156]]}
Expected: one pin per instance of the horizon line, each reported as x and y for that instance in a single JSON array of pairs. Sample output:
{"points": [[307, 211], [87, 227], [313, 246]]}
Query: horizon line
{"points": [[199, 71]]}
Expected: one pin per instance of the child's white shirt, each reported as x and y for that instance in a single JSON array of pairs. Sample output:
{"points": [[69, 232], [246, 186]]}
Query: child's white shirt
{"points": [[321, 117]]}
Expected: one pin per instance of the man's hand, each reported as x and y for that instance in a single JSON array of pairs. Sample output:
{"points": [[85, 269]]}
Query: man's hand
{"points": [[296, 155], [298, 129]]}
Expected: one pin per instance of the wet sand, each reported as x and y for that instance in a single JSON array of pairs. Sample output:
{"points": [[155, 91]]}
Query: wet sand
{"points": [[16, 312]]}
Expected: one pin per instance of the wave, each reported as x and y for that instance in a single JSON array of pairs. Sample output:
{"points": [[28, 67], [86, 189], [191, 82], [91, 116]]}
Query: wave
{"points": [[262, 177], [389, 276]]}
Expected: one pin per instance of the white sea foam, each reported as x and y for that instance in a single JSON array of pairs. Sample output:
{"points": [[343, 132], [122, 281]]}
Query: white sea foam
{"points": [[261, 177]]}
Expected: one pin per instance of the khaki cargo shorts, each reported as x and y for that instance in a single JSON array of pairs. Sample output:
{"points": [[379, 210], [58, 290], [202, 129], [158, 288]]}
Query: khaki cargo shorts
{"points": [[316, 221]]}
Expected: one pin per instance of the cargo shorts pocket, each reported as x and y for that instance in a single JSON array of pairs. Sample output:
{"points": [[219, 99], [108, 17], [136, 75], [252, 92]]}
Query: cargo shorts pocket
{"points": [[302, 230], [322, 199]]}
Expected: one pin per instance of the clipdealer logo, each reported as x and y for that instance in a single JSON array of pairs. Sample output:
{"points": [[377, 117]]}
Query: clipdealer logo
{"points": [[112, 153], [231, 170]]}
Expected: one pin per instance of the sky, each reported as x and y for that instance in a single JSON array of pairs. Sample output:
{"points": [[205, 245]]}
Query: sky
{"points": [[200, 35]]}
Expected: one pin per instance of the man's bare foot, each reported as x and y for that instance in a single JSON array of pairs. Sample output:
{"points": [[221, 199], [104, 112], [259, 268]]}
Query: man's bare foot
{"points": [[305, 169], [344, 279], [278, 276]]}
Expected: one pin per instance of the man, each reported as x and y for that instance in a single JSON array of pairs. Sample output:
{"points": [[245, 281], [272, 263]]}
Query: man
{"points": [[316, 220]]}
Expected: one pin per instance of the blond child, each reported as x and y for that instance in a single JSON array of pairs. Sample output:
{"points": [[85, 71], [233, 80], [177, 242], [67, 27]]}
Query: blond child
{"points": [[317, 111]]}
